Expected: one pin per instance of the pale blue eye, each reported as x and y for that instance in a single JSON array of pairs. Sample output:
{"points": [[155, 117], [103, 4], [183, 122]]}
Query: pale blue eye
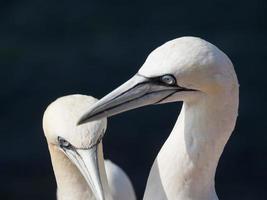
{"points": [[63, 143], [168, 79]]}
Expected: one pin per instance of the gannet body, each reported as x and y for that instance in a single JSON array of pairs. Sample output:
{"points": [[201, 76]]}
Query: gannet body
{"points": [[196, 72]]}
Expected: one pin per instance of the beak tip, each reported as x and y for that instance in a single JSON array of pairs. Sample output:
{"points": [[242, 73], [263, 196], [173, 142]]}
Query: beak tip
{"points": [[82, 120]]}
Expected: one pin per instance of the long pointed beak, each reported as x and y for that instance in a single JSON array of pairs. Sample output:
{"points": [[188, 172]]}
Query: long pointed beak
{"points": [[87, 162], [136, 92]]}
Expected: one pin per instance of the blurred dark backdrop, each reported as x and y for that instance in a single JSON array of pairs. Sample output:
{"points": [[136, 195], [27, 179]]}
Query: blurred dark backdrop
{"points": [[53, 48]]}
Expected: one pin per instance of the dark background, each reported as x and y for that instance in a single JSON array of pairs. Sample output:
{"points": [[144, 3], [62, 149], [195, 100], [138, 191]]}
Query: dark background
{"points": [[53, 48]]}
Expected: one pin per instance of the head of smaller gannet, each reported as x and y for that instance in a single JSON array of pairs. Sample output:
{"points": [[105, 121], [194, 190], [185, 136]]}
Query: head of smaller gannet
{"points": [[81, 144], [60, 118]]}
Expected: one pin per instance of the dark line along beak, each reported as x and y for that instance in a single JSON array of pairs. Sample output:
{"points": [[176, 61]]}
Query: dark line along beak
{"points": [[86, 160], [137, 92]]}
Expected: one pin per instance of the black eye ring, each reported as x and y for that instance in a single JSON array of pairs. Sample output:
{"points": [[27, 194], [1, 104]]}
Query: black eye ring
{"points": [[64, 143], [168, 79]]}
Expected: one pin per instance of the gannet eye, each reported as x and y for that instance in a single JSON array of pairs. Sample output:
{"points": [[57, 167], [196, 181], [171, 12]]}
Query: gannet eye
{"points": [[168, 79], [63, 143]]}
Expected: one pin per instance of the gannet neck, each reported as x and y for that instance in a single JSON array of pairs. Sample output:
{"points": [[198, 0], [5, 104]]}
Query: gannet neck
{"points": [[194, 148], [71, 185]]}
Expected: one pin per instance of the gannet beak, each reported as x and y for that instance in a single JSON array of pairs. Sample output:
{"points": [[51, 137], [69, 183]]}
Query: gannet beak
{"points": [[86, 160], [137, 92]]}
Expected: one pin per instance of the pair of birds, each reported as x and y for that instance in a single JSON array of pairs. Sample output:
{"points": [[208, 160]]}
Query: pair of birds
{"points": [[186, 69]]}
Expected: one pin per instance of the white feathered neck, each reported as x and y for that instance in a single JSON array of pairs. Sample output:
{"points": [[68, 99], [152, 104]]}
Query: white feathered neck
{"points": [[185, 166]]}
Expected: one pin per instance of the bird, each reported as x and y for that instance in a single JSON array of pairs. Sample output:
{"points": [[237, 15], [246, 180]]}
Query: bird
{"points": [[191, 70], [77, 154]]}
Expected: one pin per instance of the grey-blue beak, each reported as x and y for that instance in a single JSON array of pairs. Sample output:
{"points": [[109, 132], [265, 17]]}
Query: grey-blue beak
{"points": [[137, 92]]}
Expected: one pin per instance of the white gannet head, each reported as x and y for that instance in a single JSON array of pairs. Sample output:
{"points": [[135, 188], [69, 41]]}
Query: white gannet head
{"points": [[179, 70], [79, 144]]}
